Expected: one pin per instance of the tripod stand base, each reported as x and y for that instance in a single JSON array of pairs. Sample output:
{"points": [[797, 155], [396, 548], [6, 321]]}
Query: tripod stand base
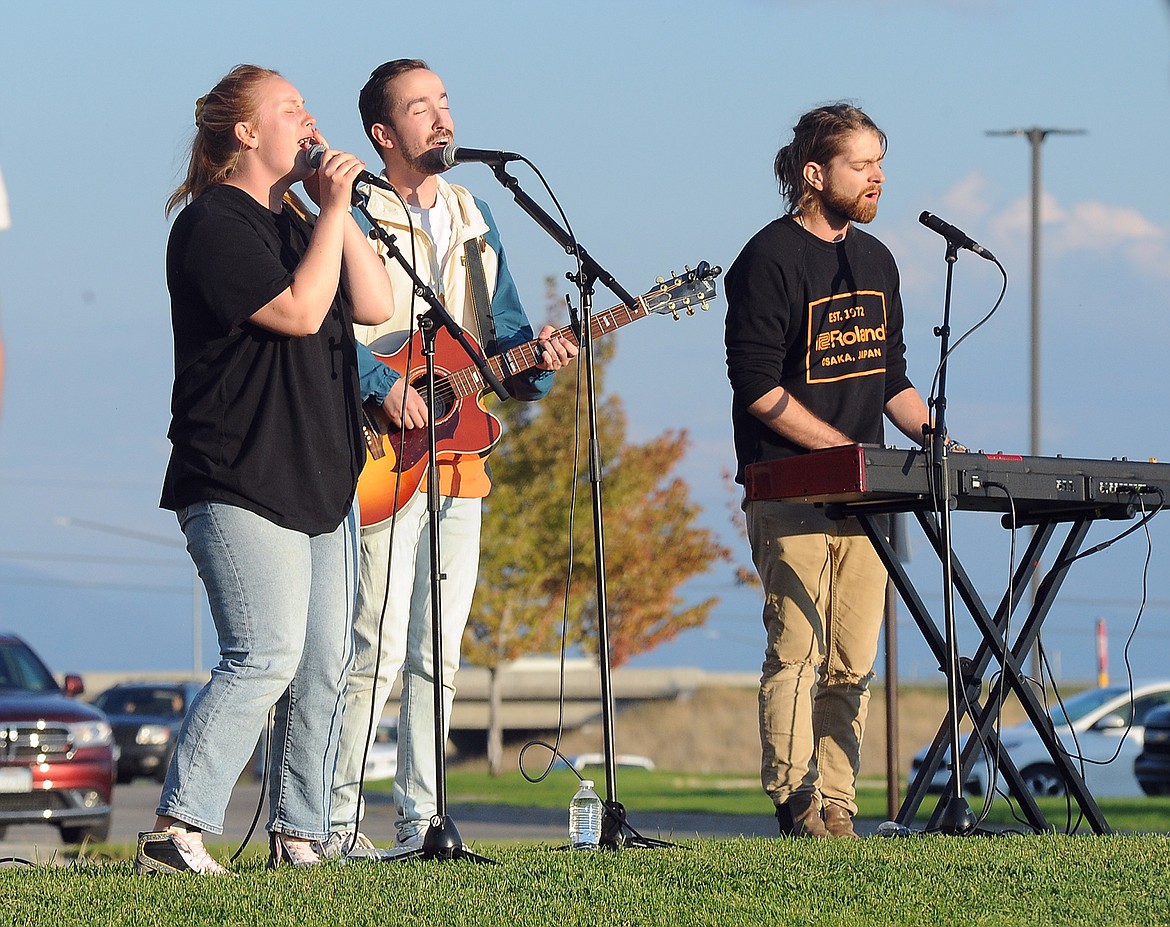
{"points": [[617, 832], [956, 818], [442, 842]]}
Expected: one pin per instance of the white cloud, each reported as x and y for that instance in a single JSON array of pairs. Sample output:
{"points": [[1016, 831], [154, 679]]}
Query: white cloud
{"points": [[968, 198], [1015, 219], [1093, 226], [1088, 228]]}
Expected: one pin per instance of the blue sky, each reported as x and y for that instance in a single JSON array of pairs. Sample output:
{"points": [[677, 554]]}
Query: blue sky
{"points": [[656, 124]]}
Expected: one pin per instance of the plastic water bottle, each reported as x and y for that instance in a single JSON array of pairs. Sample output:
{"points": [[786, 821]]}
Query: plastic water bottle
{"points": [[585, 811]]}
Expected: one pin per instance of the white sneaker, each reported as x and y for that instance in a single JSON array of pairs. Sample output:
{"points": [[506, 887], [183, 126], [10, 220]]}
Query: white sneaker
{"points": [[412, 839], [348, 845]]}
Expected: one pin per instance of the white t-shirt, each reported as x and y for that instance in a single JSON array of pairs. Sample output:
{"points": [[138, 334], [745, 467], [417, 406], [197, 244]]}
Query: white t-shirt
{"points": [[436, 222]]}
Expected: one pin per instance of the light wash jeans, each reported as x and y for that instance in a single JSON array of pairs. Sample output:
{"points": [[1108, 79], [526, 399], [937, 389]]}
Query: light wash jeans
{"points": [[282, 603], [406, 639], [824, 596]]}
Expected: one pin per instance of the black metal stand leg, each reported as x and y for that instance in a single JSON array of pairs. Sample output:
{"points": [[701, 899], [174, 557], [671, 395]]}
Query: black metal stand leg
{"points": [[615, 831], [992, 630], [442, 840], [975, 668]]}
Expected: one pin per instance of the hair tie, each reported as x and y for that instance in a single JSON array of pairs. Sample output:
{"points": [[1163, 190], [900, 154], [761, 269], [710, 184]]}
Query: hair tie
{"points": [[199, 110]]}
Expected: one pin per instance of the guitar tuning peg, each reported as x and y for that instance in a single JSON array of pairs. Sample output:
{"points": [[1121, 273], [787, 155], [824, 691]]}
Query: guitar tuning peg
{"points": [[659, 280], [673, 274]]}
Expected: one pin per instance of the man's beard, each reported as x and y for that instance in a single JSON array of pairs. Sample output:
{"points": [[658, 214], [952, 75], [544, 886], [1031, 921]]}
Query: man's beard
{"points": [[860, 209], [429, 161]]}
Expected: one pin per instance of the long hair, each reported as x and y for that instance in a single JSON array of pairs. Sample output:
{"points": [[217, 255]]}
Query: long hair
{"points": [[215, 150], [374, 102], [818, 136]]}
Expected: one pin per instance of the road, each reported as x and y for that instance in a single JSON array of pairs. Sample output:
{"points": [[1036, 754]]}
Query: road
{"points": [[134, 811]]}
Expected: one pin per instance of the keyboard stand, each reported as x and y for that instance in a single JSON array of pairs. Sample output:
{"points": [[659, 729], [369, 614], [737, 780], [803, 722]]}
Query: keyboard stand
{"points": [[992, 629]]}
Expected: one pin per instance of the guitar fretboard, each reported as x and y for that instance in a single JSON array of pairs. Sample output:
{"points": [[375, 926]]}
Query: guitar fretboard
{"points": [[468, 382]]}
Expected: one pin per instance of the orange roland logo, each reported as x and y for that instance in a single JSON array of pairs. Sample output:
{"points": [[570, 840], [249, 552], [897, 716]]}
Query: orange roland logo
{"points": [[846, 336], [827, 341]]}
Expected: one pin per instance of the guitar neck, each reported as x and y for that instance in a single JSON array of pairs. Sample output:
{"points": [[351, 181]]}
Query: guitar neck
{"points": [[468, 382]]}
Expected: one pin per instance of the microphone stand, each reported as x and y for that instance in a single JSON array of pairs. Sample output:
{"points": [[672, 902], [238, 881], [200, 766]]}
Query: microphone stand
{"points": [[442, 840], [615, 828], [956, 818]]}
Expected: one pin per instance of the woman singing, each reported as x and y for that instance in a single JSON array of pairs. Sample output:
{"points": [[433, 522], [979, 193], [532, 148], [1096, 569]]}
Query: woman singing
{"points": [[266, 452]]}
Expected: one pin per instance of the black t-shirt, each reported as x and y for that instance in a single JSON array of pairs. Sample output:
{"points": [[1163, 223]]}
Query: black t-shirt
{"points": [[260, 420], [821, 319]]}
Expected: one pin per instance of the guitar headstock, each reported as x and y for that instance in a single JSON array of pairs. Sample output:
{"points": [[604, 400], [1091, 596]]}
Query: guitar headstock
{"points": [[683, 292]]}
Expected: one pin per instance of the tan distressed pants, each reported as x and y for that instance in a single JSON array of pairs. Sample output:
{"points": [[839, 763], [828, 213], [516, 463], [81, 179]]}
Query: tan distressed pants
{"points": [[824, 594]]}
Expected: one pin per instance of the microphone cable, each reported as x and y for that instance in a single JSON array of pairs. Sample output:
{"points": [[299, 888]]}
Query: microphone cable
{"points": [[583, 332], [968, 333]]}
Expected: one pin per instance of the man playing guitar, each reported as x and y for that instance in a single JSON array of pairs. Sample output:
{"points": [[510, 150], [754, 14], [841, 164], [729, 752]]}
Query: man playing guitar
{"points": [[445, 232]]}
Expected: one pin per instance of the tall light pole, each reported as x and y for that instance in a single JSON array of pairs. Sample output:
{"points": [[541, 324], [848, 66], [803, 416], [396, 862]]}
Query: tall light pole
{"points": [[1035, 137], [196, 586]]}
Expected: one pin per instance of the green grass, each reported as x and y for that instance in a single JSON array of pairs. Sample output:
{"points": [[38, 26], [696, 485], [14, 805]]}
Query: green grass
{"points": [[642, 790], [937, 880], [1006, 880], [637, 789]]}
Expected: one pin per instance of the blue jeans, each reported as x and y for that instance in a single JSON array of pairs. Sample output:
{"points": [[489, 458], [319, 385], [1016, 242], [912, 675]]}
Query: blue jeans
{"points": [[406, 645], [282, 603]]}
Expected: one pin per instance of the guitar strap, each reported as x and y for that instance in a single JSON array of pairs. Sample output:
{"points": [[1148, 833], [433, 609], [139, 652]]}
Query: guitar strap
{"points": [[477, 287]]}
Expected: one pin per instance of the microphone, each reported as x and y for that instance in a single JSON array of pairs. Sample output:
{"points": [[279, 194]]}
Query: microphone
{"points": [[955, 236], [317, 152], [452, 156]]}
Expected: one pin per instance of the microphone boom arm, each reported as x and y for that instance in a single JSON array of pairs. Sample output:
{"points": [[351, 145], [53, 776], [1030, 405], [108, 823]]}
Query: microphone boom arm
{"points": [[559, 235]]}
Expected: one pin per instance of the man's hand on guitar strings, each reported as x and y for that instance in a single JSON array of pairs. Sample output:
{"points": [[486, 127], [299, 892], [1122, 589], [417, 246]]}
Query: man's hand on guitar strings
{"points": [[414, 415], [555, 351]]}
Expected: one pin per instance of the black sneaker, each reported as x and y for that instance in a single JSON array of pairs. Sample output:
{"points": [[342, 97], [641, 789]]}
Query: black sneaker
{"points": [[165, 852]]}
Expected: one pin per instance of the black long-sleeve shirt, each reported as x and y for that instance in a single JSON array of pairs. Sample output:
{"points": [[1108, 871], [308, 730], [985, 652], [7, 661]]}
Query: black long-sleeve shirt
{"points": [[821, 319]]}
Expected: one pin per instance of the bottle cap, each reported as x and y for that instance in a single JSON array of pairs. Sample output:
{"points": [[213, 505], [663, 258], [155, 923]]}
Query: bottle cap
{"points": [[586, 783]]}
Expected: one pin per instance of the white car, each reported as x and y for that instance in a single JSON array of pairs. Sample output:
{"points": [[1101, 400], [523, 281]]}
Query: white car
{"points": [[1095, 724], [580, 761], [382, 760]]}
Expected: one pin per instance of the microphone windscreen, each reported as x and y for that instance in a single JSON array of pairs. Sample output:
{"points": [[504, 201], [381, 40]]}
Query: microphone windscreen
{"points": [[315, 154]]}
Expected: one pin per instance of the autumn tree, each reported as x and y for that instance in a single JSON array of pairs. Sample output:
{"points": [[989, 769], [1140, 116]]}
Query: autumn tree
{"points": [[651, 543]]}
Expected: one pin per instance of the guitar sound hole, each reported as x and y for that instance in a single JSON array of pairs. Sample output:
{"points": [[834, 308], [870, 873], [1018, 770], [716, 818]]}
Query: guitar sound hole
{"points": [[441, 407]]}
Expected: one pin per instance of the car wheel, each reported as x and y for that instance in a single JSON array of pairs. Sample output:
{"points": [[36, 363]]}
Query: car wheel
{"points": [[1043, 779], [125, 777], [1153, 787], [97, 833]]}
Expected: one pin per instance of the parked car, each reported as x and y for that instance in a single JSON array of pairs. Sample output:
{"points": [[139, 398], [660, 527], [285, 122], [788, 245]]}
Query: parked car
{"points": [[1152, 767], [1094, 724], [626, 760], [146, 717], [57, 754], [381, 761]]}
